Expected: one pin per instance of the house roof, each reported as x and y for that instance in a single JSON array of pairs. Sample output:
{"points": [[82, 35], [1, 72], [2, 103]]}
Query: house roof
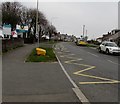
{"points": [[115, 36], [99, 38], [116, 30]]}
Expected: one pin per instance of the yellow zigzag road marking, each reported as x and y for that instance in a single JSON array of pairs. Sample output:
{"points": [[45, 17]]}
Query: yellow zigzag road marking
{"points": [[67, 55], [105, 80], [89, 68], [95, 77], [68, 62]]}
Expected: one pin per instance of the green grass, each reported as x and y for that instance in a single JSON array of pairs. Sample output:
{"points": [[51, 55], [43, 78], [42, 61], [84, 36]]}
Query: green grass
{"points": [[91, 45], [52, 42], [49, 57]]}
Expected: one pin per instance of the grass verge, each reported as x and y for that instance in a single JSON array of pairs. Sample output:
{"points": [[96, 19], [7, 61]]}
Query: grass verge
{"points": [[91, 45], [49, 57]]}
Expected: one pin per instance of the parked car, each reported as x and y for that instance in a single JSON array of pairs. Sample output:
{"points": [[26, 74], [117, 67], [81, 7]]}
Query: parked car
{"points": [[109, 47], [81, 42]]}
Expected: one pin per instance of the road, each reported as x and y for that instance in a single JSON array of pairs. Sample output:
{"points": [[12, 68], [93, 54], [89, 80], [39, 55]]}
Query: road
{"points": [[96, 74]]}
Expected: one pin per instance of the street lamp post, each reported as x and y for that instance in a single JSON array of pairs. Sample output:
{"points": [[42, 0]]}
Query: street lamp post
{"points": [[37, 34], [86, 32], [83, 30]]}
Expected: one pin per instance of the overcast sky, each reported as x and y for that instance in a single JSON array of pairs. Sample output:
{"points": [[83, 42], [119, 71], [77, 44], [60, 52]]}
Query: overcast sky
{"points": [[69, 17]]}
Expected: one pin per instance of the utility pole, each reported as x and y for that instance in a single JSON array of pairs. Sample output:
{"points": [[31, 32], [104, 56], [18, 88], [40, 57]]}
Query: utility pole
{"points": [[37, 23], [86, 32], [86, 36], [83, 30]]}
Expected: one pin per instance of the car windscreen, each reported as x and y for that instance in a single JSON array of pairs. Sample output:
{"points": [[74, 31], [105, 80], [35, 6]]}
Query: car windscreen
{"points": [[111, 44]]}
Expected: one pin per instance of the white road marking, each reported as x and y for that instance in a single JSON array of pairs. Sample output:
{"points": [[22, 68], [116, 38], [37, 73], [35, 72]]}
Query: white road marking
{"points": [[77, 91], [81, 96], [66, 73], [113, 62], [93, 54]]}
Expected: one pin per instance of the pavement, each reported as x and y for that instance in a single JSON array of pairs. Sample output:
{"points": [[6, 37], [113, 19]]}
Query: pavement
{"points": [[94, 73], [33, 82]]}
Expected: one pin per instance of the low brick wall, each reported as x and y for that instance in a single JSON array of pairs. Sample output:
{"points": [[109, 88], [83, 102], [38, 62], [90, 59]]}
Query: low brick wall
{"points": [[8, 44]]}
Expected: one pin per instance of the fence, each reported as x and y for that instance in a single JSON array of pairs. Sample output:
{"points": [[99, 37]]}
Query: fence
{"points": [[8, 44]]}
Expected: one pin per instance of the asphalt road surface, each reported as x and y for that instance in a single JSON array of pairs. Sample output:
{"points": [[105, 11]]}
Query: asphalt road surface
{"points": [[96, 74]]}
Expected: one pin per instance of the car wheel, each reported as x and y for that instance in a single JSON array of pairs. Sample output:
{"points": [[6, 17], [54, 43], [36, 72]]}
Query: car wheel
{"points": [[99, 49], [107, 51]]}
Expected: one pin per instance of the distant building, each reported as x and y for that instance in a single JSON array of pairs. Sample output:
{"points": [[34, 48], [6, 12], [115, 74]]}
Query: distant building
{"points": [[99, 39], [63, 37], [113, 32], [114, 36], [107, 37]]}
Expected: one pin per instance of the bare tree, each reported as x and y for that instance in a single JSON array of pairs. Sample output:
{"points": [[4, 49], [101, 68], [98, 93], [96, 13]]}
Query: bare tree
{"points": [[14, 13], [11, 13], [51, 30]]}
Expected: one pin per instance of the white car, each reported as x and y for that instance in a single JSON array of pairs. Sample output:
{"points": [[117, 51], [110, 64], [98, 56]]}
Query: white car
{"points": [[109, 48]]}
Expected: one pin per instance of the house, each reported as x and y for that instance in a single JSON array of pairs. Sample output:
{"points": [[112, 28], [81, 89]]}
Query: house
{"points": [[115, 31], [106, 37], [116, 38], [99, 39], [109, 35]]}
